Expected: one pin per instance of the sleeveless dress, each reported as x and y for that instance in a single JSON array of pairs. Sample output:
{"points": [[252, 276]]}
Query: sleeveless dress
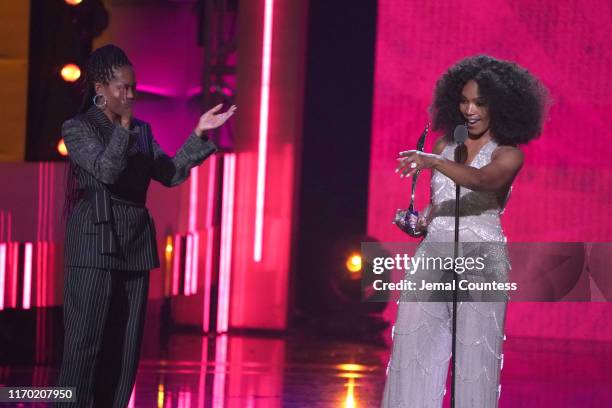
{"points": [[419, 363]]}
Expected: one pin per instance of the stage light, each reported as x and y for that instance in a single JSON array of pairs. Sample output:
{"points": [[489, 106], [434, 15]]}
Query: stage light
{"points": [[168, 271], [349, 401], [160, 395], [351, 367], [61, 148], [73, 2], [353, 263], [169, 247], [71, 72]]}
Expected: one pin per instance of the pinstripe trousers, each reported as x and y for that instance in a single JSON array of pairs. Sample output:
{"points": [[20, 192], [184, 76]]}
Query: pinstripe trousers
{"points": [[104, 312]]}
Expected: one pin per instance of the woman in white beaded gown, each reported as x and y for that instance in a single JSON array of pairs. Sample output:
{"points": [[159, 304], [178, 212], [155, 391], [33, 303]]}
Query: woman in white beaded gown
{"points": [[502, 105]]}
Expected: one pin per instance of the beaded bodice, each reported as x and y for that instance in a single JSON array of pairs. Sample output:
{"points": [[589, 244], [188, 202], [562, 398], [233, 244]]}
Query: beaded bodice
{"points": [[479, 210]]}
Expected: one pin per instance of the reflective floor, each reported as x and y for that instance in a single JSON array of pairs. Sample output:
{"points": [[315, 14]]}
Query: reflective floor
{"points": [[300, 370]]}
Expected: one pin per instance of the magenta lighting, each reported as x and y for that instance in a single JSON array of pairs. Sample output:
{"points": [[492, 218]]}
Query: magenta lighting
{"points": [[264, 110]]}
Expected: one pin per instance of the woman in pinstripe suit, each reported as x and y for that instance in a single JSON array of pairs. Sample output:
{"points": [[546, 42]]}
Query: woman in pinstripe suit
{"points": [[110, 236]]}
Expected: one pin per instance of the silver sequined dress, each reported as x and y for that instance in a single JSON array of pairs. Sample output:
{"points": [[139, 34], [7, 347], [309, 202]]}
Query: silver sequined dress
{"points": [[419, 365]]}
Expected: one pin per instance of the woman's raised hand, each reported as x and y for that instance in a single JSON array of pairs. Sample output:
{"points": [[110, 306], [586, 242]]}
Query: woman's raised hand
{"points": [[212, 119]]}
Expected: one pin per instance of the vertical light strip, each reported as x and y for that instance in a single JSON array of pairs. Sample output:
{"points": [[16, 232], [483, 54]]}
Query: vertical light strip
{"points": [[181, 399], [264, 111], [168, 265], [39, 230], [194, 260], [2, 273], [48, 288], [15, 273], [191, 260], [210, 239], [44, 215], [47, 261], [3, 257], [49, 237], [221, 368], [27, 276], [49, 258], [9, 219], [161, 395], [227, 226], [224, 242], [51, 209], [39, 272], [45, 202], [187, 398], [188, 264], [176, 265], [193, 199], [40, 205]]}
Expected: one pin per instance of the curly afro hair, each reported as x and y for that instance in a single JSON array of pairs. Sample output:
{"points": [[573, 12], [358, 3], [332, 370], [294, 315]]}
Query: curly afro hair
{"points": [[517, 101]]}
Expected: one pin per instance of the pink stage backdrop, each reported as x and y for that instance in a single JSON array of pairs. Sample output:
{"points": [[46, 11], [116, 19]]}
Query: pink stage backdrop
{"points": [[564, 191]]}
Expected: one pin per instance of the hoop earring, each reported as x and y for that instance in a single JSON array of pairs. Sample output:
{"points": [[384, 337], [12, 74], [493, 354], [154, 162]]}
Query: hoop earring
{"points": [[96, 103]]}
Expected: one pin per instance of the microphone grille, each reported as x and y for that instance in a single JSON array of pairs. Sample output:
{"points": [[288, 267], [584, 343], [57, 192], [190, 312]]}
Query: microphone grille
{"points": [[460, 134]]}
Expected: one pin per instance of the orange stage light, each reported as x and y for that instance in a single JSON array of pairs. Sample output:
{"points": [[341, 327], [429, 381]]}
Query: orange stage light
{"points": [[71, 72], [353, 263], [61, 148]]}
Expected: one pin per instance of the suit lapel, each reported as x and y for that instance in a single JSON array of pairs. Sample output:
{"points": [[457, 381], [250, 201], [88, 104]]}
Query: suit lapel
{"points": [[105, 129]]}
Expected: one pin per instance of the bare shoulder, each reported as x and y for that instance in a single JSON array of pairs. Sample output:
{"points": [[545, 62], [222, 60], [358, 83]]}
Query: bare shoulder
{"points": [[508, 154], [439, 145]]}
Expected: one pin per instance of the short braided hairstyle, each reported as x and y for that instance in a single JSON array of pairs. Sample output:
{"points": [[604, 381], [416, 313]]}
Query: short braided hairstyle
{"points": [[100, 68]]}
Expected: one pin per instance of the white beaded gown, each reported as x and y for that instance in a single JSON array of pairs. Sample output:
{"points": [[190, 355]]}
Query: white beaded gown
{"points": [[419, 363]]}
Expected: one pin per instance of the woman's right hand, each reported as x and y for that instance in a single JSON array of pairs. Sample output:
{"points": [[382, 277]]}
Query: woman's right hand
{"points": [[213, 119], [126, 116]]}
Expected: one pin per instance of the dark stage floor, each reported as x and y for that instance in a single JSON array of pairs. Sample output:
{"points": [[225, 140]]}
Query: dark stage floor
{"points": [[300, 370]]}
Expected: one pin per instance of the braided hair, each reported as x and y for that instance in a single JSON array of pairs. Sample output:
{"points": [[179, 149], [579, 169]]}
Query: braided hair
{"points": [[99, 69]]}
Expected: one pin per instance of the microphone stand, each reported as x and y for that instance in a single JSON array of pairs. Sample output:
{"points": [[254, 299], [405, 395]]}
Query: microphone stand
{"points": [[458, 159]]}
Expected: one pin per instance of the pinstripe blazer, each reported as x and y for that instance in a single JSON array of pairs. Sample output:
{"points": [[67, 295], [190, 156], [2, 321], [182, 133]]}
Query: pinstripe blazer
{"points": [[110, 226]]}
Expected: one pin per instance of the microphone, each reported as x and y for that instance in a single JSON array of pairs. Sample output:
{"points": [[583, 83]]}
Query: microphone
{"points": [[460, 135]]}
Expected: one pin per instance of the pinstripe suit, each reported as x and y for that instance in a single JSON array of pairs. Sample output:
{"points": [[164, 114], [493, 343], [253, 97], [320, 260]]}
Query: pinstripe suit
{"points": [[110, 248]]}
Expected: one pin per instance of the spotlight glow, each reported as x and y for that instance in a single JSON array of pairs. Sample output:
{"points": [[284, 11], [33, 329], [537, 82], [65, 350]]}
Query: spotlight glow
{"points": [[353, 263], [61, 148], [70, 72]]}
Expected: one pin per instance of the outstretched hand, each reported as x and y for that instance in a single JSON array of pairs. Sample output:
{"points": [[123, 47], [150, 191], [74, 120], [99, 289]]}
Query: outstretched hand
{"points": [[411, 161], [212, 119]]}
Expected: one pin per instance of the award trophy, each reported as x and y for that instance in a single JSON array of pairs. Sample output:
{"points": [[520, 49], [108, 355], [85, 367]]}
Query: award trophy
{"points": [[402, 217]]}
